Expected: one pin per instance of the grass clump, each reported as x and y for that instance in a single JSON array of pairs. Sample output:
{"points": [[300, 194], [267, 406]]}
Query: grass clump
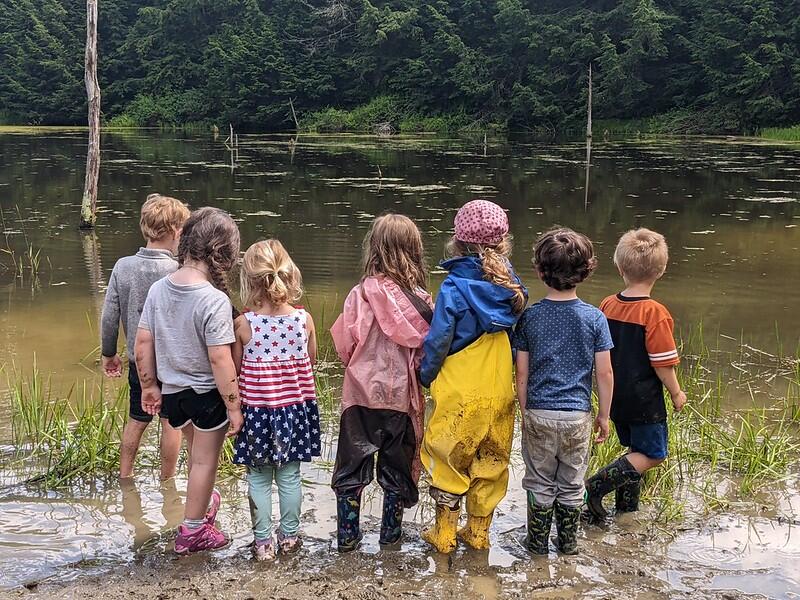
{"points": [[65, 437], [783, 134]]}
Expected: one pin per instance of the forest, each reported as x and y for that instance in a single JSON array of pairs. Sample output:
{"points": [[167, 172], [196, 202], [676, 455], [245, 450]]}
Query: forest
{"points": [[710, 66]]}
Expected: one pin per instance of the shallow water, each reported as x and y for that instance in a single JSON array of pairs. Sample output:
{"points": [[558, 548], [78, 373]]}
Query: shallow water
{"points": [[729, 209]]}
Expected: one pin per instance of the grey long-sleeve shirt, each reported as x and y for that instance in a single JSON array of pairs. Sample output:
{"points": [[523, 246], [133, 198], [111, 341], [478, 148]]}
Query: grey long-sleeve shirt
{"points": [[127, 290]]}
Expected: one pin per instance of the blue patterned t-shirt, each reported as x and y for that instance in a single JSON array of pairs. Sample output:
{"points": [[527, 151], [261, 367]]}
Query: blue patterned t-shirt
{"points": [[561, 338]]}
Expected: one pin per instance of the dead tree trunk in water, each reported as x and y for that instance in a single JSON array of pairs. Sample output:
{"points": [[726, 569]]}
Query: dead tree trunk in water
{"points": [[588, 140], [89, 201]]}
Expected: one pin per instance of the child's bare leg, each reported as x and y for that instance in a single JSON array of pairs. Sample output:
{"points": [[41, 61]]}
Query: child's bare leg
{"points": [[170, 449], [188, 434], [205, 459], [131, 438], [642, 462]]}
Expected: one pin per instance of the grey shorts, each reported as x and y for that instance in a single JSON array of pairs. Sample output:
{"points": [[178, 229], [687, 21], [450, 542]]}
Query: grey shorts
{"points": [[555, 446]]}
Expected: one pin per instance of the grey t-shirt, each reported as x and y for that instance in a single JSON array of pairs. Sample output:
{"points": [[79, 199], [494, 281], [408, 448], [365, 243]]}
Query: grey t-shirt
{"points": [[127, 289], [184, 321]]}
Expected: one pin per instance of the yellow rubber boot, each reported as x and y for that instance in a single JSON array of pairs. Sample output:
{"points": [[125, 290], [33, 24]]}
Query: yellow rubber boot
{"points": [[442, 535], [476, 532]]}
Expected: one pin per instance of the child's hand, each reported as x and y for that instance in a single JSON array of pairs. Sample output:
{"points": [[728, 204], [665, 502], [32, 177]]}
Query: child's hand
{"points": [[151, 400], [235, 422], [112, 366], [679, 401], [600, 429]]}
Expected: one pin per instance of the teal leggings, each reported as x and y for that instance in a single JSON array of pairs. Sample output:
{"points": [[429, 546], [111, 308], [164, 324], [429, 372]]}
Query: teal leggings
{"points": [[290, 496]]}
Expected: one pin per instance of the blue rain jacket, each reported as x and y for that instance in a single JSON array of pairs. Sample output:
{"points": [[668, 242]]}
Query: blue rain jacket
{"points": [[467, 307]]}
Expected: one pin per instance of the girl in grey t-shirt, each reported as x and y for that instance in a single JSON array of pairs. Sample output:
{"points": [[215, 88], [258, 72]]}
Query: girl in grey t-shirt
{"points": [[183, 354]]}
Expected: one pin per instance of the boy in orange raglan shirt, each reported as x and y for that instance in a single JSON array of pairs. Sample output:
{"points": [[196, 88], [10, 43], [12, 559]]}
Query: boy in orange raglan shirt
{"points": [[643, 359]]}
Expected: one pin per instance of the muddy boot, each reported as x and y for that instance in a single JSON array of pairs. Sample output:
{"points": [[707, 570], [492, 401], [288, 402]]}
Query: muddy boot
{"points": [[540, 519], [604, 481], [476, 531], [442, 535], [567, 519], [392, 523], [348, 529], [627, 496]]}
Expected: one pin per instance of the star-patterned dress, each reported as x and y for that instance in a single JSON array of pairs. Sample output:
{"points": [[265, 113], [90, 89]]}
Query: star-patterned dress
{"points": [[279, 401]]}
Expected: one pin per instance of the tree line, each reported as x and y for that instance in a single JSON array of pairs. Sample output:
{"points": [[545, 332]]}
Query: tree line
{"points": [[704, 65]]}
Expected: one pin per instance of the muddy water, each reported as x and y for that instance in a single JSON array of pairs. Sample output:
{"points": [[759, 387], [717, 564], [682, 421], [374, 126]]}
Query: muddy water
{"points": [[730, 211]]}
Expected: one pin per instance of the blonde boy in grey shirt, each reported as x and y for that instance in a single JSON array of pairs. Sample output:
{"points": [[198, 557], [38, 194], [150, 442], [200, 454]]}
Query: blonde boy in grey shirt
{"points": [[161, 221]]}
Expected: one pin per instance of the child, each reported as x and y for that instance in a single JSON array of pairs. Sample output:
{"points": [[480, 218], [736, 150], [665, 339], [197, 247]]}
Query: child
{"points": [[467, 363], [184, 341], [161, 221], [274, 352], [378, 336], [644, 359], [558, 341]]}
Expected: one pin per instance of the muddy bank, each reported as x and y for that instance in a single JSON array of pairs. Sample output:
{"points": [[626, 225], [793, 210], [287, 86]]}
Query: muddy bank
{"points": [[728, 556], [615, 564]]}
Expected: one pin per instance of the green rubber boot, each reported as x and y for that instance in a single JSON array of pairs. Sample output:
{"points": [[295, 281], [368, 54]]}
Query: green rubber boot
{"points": [[540, 519], [607, 479], [567, 520], [627, 496]]}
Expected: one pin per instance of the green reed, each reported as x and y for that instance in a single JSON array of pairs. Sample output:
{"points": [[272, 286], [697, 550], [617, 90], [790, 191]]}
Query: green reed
{"points": [[62, 438]]}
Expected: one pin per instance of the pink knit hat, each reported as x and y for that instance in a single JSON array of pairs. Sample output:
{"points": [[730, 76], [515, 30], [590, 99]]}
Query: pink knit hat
{"points": [[481, 222]]}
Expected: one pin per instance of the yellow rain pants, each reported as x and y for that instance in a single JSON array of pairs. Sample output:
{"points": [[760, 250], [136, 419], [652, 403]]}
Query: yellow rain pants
{"points": [[467, 442]]}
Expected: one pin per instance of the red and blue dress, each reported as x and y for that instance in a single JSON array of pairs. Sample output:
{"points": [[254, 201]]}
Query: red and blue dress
{"points": [[279, 401]]}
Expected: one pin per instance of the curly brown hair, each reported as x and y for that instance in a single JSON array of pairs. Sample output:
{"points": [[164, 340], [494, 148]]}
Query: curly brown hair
{"points": [[211, 237], [563, 258], [495, 264], [393, 248]]}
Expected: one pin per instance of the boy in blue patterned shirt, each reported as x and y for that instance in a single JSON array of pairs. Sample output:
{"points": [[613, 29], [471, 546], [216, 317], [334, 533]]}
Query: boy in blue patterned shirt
{"points": [[559, 341]]}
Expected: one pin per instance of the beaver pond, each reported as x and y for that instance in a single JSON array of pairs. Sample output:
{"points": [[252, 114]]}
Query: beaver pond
{"points": [[719, 522]]}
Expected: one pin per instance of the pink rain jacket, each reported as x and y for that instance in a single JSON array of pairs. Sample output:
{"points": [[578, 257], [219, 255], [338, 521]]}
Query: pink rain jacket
{"points": [[379, 338]]}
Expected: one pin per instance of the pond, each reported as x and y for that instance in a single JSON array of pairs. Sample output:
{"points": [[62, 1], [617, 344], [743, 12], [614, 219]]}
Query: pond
{"points": [[730, 210]]}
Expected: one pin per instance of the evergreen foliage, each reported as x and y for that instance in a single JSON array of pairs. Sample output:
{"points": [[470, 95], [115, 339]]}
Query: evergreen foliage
{"points": [[722, 66]]}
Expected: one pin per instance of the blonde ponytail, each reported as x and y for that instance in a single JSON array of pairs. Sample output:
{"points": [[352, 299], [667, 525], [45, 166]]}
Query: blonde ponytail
{"points": [[269, 275], [495, 265]]}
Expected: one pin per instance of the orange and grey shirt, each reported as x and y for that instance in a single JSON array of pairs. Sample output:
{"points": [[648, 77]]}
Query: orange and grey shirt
{"points": [[642, 330]]}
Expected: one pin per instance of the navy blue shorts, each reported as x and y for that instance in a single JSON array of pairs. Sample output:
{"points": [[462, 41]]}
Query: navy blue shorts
{"points": [[136, 411], [649, 439]]}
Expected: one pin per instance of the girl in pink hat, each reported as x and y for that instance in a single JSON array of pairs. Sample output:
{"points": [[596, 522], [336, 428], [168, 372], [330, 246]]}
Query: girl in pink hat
{"points": [[468, 365]]}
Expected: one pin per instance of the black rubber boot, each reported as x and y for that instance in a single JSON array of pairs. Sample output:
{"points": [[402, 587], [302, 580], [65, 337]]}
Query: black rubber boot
{"points": [[392, 522], [567, 520], [607, 479], [627, 496], [540, 519], [348, 530]]}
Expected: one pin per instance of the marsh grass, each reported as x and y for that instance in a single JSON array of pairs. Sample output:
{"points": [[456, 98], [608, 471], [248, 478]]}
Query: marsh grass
{"points": [[783, 134], [65, 437], [717, 456], [29, 259]]}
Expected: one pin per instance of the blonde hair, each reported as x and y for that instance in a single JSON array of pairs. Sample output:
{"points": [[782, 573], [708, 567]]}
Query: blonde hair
{"points": [[269, 274], [393, 248], [495, 264], [641, 255], [161, 216]]}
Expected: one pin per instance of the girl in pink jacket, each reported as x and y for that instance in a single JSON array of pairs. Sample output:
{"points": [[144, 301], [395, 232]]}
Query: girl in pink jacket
{"points": [[378, 337]]}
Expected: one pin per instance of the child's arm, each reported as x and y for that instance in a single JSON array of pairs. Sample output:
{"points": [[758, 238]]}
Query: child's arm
{"points": [[670, 380], [522, 364], [145, 352], [227, 382], [109, 330], [437, 343], [312, 340], [605, 390], [237, 350]]}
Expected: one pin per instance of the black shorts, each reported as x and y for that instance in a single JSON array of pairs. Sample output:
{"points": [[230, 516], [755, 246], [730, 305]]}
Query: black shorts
{"points": [[206, 411], [136, 411]]}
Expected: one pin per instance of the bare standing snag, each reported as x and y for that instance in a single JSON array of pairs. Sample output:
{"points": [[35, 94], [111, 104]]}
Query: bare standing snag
{"points": [[89, 201]]}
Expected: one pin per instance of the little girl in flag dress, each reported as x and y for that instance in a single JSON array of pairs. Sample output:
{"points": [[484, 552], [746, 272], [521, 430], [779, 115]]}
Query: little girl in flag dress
{"points": [[274, 351]]}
